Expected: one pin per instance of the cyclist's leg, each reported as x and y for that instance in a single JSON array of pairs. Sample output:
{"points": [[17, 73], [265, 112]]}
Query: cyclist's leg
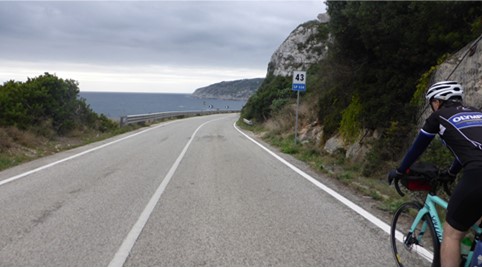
{"points": [[463, 211], [450, 248]]}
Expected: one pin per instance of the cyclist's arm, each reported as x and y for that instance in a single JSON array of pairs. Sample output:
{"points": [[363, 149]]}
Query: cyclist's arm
{"points": [[418, 147]]}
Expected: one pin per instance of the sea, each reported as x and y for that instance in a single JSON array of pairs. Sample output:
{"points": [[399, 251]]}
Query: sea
{"points": [[116, 105]]}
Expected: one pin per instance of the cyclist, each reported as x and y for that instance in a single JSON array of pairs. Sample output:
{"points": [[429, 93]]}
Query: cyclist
{"points": [[460, 128]]}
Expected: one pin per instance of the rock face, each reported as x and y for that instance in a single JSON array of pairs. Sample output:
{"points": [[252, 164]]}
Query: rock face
{"points": [[300, 50], [468, 74], [231, 90]]}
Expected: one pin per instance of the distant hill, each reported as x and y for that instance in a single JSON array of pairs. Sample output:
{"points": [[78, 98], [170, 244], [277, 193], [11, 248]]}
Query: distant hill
{"points": [[230, 90]]}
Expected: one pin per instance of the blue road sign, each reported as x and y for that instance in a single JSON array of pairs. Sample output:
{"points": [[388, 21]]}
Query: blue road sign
{"points": [[299, 87]]}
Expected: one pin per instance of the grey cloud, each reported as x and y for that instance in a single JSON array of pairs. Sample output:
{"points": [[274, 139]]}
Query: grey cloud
{"points": [[221, 33]]}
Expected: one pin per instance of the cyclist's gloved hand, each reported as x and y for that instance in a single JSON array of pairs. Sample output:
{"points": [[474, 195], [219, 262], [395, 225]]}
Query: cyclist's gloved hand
{"points": [[394, 174]]}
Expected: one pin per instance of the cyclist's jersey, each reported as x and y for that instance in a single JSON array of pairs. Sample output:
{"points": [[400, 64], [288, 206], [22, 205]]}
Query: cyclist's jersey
{"points": [[460, 128]]}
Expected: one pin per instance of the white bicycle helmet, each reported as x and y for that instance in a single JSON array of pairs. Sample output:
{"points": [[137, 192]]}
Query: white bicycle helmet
{"points": [[445, 90]]}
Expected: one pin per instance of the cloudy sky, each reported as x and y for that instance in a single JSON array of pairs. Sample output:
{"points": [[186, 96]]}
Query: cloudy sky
{"points": [[146, 46]]}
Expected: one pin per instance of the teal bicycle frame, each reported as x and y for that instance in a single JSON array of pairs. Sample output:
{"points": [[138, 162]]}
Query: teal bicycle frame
{"points": [[429, 207]]}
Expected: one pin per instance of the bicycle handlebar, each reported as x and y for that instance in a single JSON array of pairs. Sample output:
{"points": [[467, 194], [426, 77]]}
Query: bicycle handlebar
{"points": [[434, 182]]}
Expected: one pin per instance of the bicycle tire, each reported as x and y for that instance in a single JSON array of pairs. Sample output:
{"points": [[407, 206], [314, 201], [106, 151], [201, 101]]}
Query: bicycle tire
{"points": [[421, 249]]}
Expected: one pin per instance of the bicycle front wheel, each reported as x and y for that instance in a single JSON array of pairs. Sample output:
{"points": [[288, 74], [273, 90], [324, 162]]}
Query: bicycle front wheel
{"points": [[419, 247]]}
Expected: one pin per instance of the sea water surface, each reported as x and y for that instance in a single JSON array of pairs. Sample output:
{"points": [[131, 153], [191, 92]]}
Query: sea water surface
{"points": [[115, 105]]}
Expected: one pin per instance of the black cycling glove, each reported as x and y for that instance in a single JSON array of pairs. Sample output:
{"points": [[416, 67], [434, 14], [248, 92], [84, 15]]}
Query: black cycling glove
{"points": [[393, 174]]}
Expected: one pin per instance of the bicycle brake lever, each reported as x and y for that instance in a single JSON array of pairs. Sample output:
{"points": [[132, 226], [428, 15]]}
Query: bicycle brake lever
{"points": [[397, 187]]}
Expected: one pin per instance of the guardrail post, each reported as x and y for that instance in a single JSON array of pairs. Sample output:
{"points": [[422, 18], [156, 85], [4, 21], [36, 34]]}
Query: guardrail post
{"points": [[123, 121]]}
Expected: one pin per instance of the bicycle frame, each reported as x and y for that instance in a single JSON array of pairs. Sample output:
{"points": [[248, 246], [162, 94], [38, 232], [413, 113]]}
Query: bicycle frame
{"points": [[430, 207]]}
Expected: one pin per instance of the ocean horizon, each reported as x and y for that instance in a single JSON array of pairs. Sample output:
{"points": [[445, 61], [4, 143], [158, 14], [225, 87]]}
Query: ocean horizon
{"points": [[117, 104]]}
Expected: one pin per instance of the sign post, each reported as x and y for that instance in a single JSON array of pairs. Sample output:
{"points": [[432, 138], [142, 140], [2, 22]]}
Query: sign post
{"points": [[299, 84]]}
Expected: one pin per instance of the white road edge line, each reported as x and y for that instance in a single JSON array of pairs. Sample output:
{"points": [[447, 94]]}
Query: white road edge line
{"points": [[123, 253], [77, 155], [379, 223]]}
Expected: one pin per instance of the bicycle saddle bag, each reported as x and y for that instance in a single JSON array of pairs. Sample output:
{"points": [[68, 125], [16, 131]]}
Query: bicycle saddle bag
{"points": [[419, 176]]}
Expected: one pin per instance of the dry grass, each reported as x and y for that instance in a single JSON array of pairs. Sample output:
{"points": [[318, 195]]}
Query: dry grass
{"points": [[5, 140], [11, 138], [24, 138], [18, 146]]}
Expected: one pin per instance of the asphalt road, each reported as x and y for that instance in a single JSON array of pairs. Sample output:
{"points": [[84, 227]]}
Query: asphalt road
{"points": [[191, 192]]}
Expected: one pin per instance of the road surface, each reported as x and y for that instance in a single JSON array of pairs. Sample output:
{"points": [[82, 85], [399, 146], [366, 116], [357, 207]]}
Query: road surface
{"points": [[190, 192]]}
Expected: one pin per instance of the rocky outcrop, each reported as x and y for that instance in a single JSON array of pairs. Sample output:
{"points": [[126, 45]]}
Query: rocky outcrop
{"points": [[301, 49], [468, 73]]}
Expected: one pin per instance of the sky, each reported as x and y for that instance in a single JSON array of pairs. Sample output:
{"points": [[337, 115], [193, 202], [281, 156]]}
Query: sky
{"points": [[146, 46]]}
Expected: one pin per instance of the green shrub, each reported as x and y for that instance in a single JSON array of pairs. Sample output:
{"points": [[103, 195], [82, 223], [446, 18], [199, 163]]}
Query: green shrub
{"points": [[350, 125], [48, 102]]}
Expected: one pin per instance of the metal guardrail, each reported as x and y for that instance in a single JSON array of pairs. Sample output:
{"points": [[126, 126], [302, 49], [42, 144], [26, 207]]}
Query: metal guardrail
{"points": [[147, 118]]}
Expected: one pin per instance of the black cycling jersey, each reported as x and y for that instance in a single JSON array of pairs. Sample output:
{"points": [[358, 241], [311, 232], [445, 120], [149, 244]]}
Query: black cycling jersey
{"points": [[460, 128]]}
